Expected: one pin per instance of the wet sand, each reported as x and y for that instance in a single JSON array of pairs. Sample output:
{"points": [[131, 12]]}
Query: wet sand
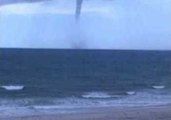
{"points": [[106, 113]]}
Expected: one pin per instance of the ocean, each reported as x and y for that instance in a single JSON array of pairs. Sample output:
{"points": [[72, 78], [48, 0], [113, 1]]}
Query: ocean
{"points": [[48, 80]]}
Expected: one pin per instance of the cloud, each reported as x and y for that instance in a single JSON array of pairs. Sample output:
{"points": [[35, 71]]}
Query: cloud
{"points": [[32, 8], [56, 7]]}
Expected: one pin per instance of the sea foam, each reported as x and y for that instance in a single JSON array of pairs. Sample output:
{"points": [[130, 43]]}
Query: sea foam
{"points": [[13, 87], [62, 105], [96, 95], [158, 86], [130, 92]]}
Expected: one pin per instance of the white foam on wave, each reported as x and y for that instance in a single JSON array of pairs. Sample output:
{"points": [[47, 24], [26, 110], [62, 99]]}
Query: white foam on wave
{"points": [[130, 92], [32, 105], [13, 87], [158, 86], [45, 107], [96, 95]]}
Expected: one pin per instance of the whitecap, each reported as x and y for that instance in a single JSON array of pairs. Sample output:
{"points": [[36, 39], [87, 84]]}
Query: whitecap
{"points": [[13, 87], [45, 107], [130, 92], [96, 95], [158, 86]]}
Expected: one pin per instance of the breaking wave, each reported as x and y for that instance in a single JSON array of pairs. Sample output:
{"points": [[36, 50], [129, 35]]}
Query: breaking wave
{"points": [[69, 104], [96, 95], [13, 87], [158, 86]]}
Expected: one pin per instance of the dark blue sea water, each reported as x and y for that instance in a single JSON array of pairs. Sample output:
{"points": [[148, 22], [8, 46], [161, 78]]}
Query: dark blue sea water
{"points": [[44, 78]]}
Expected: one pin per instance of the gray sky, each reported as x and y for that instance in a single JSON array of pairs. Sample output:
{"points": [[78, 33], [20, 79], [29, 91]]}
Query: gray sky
{"points": [[104, 24]]}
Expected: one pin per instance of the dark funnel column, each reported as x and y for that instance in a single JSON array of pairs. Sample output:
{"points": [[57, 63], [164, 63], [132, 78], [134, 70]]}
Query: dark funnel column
{"points": [[78, 9]]}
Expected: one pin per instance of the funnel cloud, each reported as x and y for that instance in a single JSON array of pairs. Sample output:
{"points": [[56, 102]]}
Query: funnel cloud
{"points": [[78, 8]]}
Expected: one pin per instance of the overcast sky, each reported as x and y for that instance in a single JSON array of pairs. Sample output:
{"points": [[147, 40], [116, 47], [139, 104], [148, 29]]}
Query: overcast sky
{"points": [[104, 24]]}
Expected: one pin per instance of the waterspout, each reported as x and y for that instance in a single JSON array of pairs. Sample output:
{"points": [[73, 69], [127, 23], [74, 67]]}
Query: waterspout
{"points": [[78, 9]]}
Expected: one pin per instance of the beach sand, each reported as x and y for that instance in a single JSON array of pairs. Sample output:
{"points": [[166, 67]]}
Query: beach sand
{"points": [[106, 113]]}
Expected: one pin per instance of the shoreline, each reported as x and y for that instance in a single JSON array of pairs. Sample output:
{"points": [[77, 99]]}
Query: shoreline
{"points": [[161, 112]]}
